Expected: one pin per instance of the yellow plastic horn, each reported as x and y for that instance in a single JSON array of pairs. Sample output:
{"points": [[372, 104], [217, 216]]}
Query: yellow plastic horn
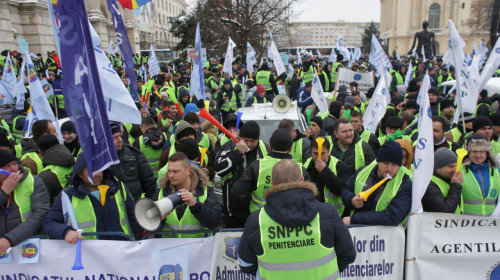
{"points": [[461, 153], [102, 190], [369, 191], [203, 153], [207, 104], [320, 141]]}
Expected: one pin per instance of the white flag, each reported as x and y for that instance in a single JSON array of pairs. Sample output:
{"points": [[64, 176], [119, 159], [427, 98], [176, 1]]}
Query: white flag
{"points": [[423, 54], [278, 62], [121, 106], [228, 61], [378, 104], [20, 89], [341, 47], [333, 56], [484, 51], [39, 103], [251, 59], [317, 94], [424, 149], [154, 68], [466, 89], [378, 57], [397, 56], [47, 89], [409, 74], [475, 49], [290, 71], [491, 65], [112, 49], [357, 54], [299, 59], [7, 83], [319, 54]]}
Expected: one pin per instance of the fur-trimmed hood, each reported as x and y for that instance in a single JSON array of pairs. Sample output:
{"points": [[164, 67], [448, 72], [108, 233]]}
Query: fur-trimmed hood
{"points": [[292, 204], [198, 178], [481, 145]]}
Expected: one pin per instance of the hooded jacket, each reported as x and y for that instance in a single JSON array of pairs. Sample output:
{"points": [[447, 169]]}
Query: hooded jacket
{"points": [[56, 155], [294, 205], [29, 147], [135, 172], [180, 127], [208, 213], [107, 216], [11, 225], [227, 92], [241, 191]]}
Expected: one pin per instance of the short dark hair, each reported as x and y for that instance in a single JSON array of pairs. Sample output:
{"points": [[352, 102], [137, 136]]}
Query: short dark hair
{"points": [[326, 144], [353, 84], [192, 117], [440, 120], [287, 125], [308, 84], [180, 156], [148, 121], [40, 128], [355, 93], [356, 114], [338, 122]]}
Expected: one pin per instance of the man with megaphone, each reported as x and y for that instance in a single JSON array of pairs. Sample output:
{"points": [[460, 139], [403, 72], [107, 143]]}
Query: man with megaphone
{"points": [[199, 209]]}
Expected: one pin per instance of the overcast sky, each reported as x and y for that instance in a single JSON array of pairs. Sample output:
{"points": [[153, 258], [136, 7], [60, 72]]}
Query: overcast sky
{"points": [[333, 10]]}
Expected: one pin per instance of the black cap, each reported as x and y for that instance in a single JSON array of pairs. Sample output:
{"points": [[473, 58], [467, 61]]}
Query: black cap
{"points": [[189, 147], [67, 126], [394, 122], [47, 141], [250, 130], [6, 157], [481, 122]]}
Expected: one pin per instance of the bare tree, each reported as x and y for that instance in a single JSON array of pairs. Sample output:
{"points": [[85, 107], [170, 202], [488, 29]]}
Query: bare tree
{"points": [[242, 20], [484, 15]]}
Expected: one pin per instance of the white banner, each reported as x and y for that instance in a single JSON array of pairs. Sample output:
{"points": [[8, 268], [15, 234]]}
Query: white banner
{"points": [[379, 253], [113, 260], [365, 80], [378, 104], [225, 257], [228, 61], [317, 94], [278, 63], [154, 68], [448, 246]]}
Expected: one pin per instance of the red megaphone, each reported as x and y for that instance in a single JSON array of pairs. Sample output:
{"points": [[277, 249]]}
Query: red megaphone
{"points": [[204, 114]]}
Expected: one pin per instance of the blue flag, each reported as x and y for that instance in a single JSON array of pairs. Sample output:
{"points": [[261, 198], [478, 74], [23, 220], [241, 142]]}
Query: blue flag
{"points": [[84, 99], [197, 75], [125, 48]]}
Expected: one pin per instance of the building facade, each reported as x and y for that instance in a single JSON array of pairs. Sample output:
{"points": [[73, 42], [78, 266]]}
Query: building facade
{"points": [[30, 19], [401, 19], [325, 33]]}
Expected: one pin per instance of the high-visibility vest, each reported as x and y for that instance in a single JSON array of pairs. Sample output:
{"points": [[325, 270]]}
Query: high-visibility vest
{"points": [[36, 158], [390, 190], [331, 198], [257, 102], [307, 76], [164, 169], [262, 147], [188, 220], [365, 136], [296, 150], [445, 188], [22, 196], [474, 202], [327, 82], [399, 78], [229, 104], [334, 73], [62, 173], [359, 156], [440, 79], [85, 214], [263, 182], [152, 155], [262, 78], [299, 255]]}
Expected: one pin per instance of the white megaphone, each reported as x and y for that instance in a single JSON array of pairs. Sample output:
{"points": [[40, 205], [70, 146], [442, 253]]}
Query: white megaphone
{"points": [[149, 213], [281, 103]]}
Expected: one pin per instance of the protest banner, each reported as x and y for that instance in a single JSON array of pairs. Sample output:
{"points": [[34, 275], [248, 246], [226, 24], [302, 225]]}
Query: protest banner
{"points": [[364, 80], [452, 246]]}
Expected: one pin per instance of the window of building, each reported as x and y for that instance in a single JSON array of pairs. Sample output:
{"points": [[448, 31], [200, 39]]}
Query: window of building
{"points": [[434, 15]]}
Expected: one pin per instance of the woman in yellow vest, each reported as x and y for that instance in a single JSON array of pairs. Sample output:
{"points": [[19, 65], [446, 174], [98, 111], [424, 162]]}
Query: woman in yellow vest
{"points": [[201, 210], [481, 178], [96, 209], [286, 238]]}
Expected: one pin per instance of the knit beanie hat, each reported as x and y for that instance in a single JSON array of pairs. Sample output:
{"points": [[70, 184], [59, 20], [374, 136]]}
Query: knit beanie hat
{"points": [[184, 129], [260, 89], [250, 130], [443, 157], [47, 141], [189, 147], [67, 127], [495, 118], [6, 157], [281, 140], [390, 152], [115, 128], [445, 103], [394, 122], [318, 121], [481, 122]]}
